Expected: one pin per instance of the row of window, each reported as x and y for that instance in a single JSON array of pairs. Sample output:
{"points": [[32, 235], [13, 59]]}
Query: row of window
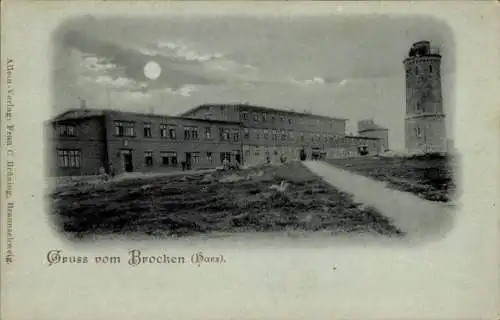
{"points": [[67, 130], [71, 159], [127, 129], [170, 159], [417, 69], [263, 117], [284, 135], [295, 153]]}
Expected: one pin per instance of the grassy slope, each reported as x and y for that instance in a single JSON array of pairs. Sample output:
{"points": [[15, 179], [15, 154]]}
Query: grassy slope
{"points": [[428, 177], [214, 202]]}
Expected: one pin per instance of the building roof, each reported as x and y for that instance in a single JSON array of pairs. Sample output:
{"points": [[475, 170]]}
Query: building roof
{"points": [[260, 108], [370, 126], [77, 114], [80, 114]]}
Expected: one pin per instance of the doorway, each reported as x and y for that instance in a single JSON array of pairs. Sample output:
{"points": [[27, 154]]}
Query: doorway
{"points": [[128, 165], [188, 160], [237, 157]]}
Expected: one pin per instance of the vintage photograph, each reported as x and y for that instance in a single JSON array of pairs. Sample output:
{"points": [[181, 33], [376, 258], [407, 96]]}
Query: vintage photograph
{"points": [[220, 125]]}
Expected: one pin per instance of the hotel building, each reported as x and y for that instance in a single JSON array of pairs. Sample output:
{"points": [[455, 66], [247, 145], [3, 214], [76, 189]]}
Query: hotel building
{"points": [[269, 134], [85, 141]]}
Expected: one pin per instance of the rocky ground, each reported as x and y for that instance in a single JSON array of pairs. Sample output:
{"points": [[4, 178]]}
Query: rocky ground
{"points": [[263, 199]]}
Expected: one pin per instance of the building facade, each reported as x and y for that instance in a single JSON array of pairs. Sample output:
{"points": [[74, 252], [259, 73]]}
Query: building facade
{"points": [[425, 120], [368, 128], [84, 141], [87, 141], [269, 134]]}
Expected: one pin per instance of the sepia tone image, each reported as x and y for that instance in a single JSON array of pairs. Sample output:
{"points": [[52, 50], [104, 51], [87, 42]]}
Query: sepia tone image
{"points": [[223, 125]]}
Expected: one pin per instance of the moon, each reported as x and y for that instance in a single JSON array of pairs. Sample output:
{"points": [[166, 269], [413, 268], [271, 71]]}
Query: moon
{"points": [[152, 70]]}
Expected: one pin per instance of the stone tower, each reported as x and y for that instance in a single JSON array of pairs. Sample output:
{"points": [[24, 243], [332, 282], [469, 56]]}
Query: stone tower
{"points": [[424, 122]]}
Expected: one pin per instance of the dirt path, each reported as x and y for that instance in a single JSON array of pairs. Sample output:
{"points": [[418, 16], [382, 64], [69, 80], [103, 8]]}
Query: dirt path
{"points": [[418, 218]]}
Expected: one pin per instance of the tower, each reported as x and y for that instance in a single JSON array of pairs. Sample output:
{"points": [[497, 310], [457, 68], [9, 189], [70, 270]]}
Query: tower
{"points": [[424, 122]]}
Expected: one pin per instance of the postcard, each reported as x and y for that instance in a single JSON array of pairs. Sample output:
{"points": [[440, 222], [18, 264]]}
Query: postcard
{"points": [[250, 160]]}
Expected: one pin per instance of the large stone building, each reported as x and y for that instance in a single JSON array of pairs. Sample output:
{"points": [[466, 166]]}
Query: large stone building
{"points": [[269, 134], [425, 120], [84, 141], [368, 128]]}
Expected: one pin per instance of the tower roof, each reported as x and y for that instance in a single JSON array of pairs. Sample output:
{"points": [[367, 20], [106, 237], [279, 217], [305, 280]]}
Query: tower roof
{"points": [[423, 48]]}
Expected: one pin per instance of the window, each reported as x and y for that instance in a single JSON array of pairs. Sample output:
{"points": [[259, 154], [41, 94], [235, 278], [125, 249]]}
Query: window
{"points": [[169, 159], [244, 115], [236, 135], [210, 157], [67, 130], [275, 134], [172, 132], [283, 135], [195, 158], [69, 158], [225, 156], [264, 116], [208, 133], [148, 158], [290, 120], [147, 130], [124, 128], [246, 133], [430, 68], [418, 132], [302, 136], [257, 134], [282, 117], [290, 134], [224, 134], [418, 107], [163, 131], [190, 133], [247, 153], [266, 134], [255, 116]]}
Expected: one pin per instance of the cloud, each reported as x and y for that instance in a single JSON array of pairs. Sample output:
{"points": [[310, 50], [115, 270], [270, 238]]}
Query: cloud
{"points": [[138, 95], [184, 91], [118, 82], [97, 64], [315, 80], [181, 50], [149, 52], [344, 82]]}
